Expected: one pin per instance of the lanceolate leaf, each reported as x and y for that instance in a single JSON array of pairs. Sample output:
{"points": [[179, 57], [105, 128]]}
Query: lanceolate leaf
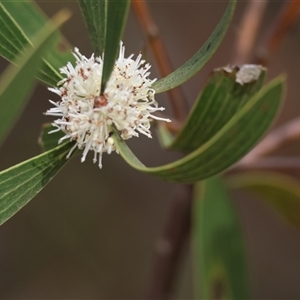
{"points": [[219, 249], [219, 101], [16, 82], [20, 21], [117, 12], [94, 13], [195, 63], [12, 38], [226, 147], [20, 183], [280, 191]]}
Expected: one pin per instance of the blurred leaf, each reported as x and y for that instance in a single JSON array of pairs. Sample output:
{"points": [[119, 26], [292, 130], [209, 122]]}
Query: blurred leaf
{"points": [[49, 141], [219, 101], [94, 13], [196, 62], [281, 192], [117, 12], [226, 147], [220, 253], [16, 28], [16, 82], [12, 38], [20, 183]]}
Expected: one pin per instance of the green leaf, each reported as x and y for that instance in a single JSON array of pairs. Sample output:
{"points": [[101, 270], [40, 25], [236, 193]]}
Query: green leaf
{"points": [[219, 101], [226, 147], [20, 183], [12, 37], [196, 62], [280, 192], [94, 13], [117, 12], [219, 248], [19, 31], [49, 141], [16, 82]]}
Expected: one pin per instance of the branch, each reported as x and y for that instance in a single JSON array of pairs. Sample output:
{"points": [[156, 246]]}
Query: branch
{"points": [[278, 164], [275, 140], [289, 132], [170, 245], [250, 24], [278, 31], [150, 30], [176, 231]]}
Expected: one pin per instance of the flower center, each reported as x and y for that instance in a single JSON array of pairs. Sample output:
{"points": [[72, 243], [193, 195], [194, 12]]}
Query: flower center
{"points": [[100, 101]]}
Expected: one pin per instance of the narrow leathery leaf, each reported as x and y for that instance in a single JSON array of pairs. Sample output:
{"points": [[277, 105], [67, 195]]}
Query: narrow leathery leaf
{"points": [[94, 13], [281, 192], [226, 147], [21, 33], [12, 37], [48, 75], [196, 62], [49, 141], [16, 82], [219, 101], [219, 249], [20, 183], [117, 12], [5, 52], [21, 12]]}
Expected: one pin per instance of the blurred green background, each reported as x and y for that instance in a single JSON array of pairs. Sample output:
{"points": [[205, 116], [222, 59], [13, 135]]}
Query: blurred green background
{"points": [[90, 233]]}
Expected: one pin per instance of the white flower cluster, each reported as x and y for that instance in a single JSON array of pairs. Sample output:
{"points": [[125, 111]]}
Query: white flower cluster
{"points": [[87, 117]]}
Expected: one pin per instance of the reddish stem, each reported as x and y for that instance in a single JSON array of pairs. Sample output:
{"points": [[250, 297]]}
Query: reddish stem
{"points": [[150, 29], [278, 31], [170, 246], [249, 28]]}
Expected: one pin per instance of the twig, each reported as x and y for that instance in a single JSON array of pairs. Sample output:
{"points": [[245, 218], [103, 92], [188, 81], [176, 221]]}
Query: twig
{"points": [[177, 228], [278, 164], [176, 231], [278, 31], [150, 29], [289, 132], [275, 140], [250, 24], [169, 247]]}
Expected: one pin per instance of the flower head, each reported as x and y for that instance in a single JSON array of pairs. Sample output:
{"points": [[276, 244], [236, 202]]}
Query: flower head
{"points": [[87, 117]]}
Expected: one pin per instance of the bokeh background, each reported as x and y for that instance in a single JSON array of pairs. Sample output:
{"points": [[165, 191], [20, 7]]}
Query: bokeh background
{"points": [[90, 233]]}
